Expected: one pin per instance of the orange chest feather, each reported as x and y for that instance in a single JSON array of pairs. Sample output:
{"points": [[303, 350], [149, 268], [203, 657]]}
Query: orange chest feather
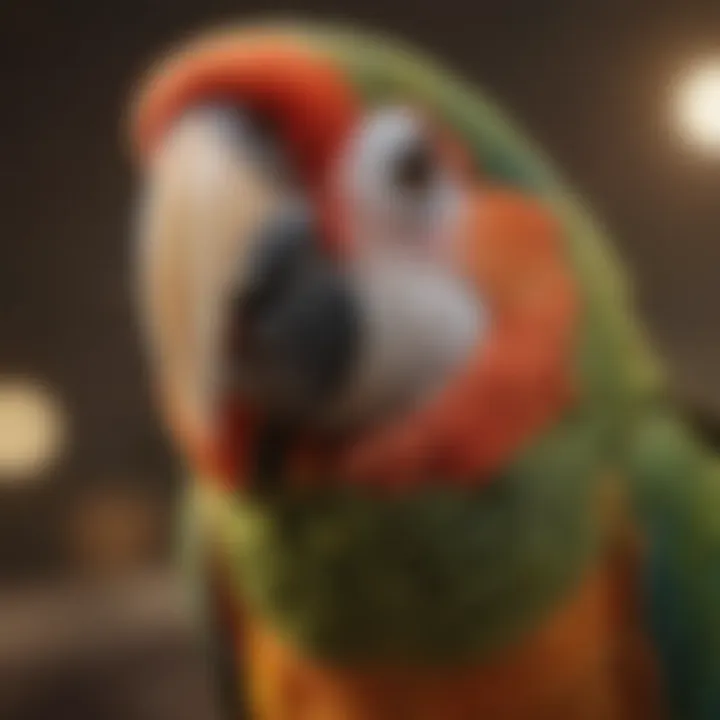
{"points": [[586, 663]]}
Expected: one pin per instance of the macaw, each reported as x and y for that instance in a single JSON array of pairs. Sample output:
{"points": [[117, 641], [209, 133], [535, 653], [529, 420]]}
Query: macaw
{"points": [[436, 470]]}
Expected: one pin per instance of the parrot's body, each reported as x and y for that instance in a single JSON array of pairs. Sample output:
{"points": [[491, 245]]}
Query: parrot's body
{"points": [[507, 522]]}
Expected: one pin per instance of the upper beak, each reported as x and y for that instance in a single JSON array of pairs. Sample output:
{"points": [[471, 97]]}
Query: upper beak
{"points": [[236, 290]]}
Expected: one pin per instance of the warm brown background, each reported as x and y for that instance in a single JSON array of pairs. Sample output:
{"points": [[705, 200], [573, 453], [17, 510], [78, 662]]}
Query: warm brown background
{"points": [[591, 80]]}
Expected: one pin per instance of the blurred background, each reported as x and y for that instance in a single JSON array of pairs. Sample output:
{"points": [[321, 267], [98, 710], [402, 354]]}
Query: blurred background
{"points": [[624, 95]]}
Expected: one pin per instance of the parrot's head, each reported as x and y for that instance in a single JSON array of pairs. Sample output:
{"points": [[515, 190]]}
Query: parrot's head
{"points": [[333, 283]]}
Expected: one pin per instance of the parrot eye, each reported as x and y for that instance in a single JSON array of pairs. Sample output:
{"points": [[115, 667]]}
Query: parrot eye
{"points": [[398, 190], [414, 168]]}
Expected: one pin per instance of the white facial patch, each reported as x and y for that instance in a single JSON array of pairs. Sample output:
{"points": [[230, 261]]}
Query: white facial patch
{"points": [[203, 199], [419, 323], [419, 319]]}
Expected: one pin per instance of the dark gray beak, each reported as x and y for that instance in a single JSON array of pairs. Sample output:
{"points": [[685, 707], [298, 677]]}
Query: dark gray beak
{"points": [[294, 324]]}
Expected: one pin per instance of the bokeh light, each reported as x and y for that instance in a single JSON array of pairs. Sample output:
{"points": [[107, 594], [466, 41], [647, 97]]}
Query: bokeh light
{"points": [[698, 106], [33, 429], [114, 529]]}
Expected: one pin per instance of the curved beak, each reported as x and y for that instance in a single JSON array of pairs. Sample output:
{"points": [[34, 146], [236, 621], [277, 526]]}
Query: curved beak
{"points": [[235, 289]]}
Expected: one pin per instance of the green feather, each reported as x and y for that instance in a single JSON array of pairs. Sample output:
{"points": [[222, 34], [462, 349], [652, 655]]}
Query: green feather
{"points": [[425, 576]]}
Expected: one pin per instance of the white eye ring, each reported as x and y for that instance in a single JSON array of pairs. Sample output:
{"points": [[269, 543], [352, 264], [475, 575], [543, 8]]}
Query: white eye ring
{"points": [[395, 186]]}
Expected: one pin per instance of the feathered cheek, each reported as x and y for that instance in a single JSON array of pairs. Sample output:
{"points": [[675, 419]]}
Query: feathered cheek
{"points": [[518, 381]]}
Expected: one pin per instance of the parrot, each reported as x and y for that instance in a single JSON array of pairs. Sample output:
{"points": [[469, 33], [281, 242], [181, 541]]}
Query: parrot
{"points": [[435, 466]]}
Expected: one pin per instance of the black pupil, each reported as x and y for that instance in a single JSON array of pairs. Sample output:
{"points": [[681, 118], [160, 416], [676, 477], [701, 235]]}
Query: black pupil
{"points": [[414, 167]]}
